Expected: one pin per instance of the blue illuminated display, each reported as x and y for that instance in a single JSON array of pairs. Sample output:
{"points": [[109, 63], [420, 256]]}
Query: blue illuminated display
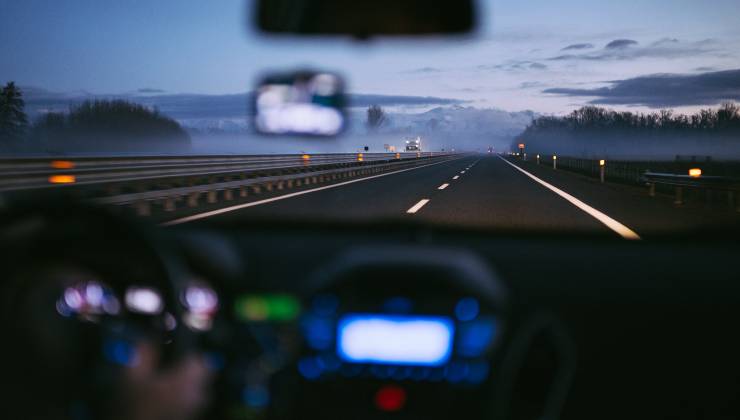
{"points": [[474, 337], [467, 309], [395, 339], [319, 331]]}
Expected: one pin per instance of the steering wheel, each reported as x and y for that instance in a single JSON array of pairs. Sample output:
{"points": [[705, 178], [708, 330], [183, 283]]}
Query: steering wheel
{"points": [[83, 287]]}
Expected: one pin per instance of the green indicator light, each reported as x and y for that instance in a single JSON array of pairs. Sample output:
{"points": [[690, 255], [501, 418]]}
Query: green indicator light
{"points": [[273, 307]]}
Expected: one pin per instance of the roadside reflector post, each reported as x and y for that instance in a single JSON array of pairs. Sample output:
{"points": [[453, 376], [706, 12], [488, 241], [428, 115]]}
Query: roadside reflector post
{"points": [[651, 189], [538, 159], [521, 151], [602, 167], [142, 208], [732, 200], [679, 196], [554, 162], [169, 204], [193, 199]]}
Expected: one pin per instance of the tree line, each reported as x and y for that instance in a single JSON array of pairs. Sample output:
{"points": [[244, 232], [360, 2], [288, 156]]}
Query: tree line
{"points": [[593, 128], [92, 125], [727, 117]]}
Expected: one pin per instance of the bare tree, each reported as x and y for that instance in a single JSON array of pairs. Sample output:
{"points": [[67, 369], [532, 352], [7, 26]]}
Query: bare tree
{"points": [[375, 117]]}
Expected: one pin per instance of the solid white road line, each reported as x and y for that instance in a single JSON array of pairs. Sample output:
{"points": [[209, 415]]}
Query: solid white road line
{"points": [[456, 177], [418, 206], [283, 197], [612, 224], [443, 186]]}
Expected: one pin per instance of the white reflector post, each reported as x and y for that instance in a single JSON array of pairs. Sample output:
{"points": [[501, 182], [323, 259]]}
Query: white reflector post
{"points": [[395, 339]]}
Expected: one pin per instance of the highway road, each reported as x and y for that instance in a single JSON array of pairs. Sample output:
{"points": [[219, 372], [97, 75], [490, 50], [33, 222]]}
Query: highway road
{"points": [[482, 190]]}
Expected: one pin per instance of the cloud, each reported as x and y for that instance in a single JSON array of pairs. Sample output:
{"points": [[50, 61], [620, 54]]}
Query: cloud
{"points": [[423, 70], [665, 41], [531, 85], [620, 43], [664, 90], [363, 100], [584, 46], [149, 90], [626, 49], [513, 66], [568, 57]]}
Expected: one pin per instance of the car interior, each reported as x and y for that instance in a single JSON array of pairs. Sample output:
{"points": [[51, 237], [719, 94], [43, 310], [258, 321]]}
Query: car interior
{"points": [[106, 315]]}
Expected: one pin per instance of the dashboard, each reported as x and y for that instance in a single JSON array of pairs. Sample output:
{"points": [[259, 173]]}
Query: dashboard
{"points": [[380, 321], [564, 326]]}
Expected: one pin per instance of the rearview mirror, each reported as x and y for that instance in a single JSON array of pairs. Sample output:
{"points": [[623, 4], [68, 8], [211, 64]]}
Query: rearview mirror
{"points": [[365, 18], [301, 103]]}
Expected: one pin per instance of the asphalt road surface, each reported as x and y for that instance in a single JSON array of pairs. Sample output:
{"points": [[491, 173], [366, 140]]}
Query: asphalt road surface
{"points": [[482, 190]]}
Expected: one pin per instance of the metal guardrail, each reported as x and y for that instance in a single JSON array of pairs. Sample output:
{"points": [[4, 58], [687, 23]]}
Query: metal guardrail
{"points": [[32, 173], [708, 183], [168, 182], [171, 199], [724, 178]]}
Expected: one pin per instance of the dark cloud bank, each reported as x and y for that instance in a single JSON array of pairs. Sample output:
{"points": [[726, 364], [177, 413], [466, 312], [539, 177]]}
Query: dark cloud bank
{"points": [[628, 49], [584, 46], [664, 90]]}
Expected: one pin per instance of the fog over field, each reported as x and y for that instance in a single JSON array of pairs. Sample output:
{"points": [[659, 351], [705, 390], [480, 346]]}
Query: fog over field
{"points": [[221, 124]]}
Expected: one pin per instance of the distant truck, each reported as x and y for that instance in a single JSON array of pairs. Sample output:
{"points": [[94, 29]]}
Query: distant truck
{"points": [[413, 144]]}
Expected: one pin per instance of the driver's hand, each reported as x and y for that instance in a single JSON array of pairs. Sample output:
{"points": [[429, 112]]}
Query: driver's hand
{"points": [[148, 392]]}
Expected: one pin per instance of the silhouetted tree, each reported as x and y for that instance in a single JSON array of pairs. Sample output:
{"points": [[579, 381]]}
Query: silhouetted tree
{"points": [[117, 125], [375, 117], [13, 120]]}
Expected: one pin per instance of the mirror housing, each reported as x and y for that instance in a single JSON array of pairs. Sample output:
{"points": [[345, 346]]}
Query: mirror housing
{"points": [[304, 103], [366, 18]]}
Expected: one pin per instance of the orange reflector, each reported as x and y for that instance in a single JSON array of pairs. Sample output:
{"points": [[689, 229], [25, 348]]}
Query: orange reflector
{"points": [[306, 157], [359, 157], [521, 145], [602, 162], [695, 172], [398, 156], [62, 164], [62, 179]]}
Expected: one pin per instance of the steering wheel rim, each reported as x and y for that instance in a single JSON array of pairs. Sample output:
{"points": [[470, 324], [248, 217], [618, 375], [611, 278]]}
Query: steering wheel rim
{"points": [[121, 250]]}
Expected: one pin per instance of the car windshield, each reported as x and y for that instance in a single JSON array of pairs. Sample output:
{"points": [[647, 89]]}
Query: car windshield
{"points": [[613, 117]]}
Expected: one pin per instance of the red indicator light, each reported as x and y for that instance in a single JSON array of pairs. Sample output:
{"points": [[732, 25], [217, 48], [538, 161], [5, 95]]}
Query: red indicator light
{"points": [[390, 398]]}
